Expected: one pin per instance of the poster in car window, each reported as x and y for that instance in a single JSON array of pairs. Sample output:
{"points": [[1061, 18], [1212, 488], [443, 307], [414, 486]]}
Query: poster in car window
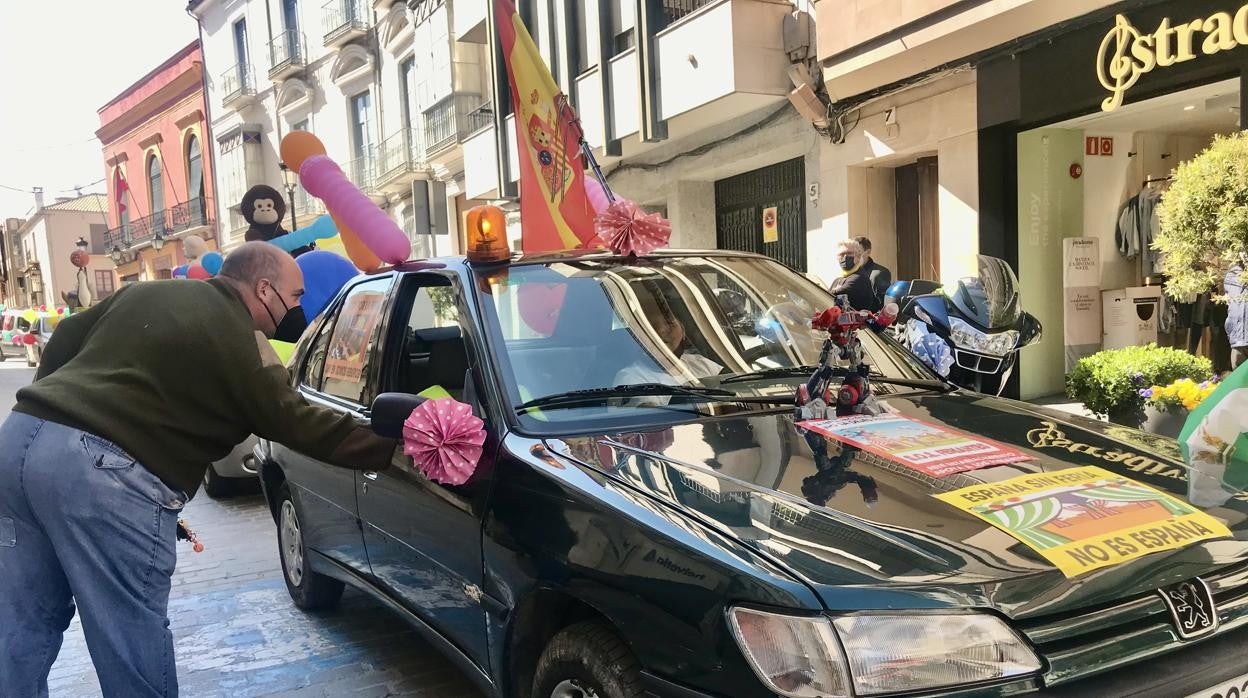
{"points": [[932, 450], [1083, 519], [348, 349]]}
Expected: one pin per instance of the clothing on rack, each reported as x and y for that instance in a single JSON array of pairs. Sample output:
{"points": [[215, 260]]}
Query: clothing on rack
{"points": [[1138, 226]]}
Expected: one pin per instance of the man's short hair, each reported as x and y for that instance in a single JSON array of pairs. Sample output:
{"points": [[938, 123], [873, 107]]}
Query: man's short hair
{"points": [[852, 245], [253, 261], [865, 242]]}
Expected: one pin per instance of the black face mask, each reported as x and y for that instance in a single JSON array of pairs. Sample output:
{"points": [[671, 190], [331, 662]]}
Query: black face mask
{"points": [[847, 263], [293, 323]]}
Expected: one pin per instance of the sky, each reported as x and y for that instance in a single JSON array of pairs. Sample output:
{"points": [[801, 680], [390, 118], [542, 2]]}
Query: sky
{"points": [[59, 63]]}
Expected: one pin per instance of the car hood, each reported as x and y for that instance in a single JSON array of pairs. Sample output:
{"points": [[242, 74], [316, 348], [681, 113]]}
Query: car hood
{"points": [[873, 535]]}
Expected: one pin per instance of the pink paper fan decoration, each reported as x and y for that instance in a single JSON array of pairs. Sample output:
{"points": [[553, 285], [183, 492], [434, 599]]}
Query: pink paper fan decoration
{"points": [[627, 230], [444, 439]]}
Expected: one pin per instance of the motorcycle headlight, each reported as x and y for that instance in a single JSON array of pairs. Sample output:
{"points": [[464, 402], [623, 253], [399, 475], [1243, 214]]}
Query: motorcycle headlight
{"points": [[967, 337], [802, 657]]}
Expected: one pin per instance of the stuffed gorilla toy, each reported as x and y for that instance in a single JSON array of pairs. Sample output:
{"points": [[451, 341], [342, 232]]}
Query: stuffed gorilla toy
{"points": [[263, 207]]}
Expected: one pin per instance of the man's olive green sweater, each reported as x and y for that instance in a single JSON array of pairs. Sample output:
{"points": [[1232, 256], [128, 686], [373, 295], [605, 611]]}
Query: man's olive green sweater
{"points": [[171, 371]]}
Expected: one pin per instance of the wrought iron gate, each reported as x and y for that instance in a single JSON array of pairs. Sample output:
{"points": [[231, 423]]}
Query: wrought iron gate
{"points": [[741, 200]]}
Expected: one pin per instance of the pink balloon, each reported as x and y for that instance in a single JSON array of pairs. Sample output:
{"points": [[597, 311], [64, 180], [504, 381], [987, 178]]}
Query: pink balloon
{"points": [[594, 191], [323, 179]]}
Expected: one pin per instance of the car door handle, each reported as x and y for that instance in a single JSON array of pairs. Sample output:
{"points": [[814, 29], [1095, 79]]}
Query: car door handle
{"points": [[370, 475]]}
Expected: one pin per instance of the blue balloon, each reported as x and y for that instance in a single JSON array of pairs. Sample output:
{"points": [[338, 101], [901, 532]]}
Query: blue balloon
{"points": [[321, 228], [211, 262], [324, 274], [180, 272]]}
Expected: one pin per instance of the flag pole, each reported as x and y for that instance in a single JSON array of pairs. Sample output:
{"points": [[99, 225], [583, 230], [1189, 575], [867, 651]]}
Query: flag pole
{"points": [[597, 170]]}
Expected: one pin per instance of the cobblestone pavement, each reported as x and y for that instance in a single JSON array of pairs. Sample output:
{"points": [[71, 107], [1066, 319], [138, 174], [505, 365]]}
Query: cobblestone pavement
{"points": [[237, 633]]}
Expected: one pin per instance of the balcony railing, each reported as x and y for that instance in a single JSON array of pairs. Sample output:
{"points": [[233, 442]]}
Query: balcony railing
{"points": [[453, 119], [195, 213], [363, 170], [237, 84], [343, 19], [399, 154], [286, 53], [673, 10], [307, 207]]}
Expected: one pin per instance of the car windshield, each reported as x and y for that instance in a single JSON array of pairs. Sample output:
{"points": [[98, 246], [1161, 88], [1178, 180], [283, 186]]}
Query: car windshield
{"points": [[728, 323]]}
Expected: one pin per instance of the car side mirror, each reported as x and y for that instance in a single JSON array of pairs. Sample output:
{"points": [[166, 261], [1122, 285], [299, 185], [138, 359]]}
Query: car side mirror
{"points": [[390, 410]]}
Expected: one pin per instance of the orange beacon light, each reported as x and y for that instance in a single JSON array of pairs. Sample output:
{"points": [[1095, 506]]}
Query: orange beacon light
{"points": [[487, 235]]}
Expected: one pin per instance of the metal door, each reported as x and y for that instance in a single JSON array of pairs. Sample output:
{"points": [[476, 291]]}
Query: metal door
{"points": [[742, 200]]}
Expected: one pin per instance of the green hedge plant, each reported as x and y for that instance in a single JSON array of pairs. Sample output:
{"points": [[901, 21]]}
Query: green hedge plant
{"points": [[1108, 383], [1204, 217]]}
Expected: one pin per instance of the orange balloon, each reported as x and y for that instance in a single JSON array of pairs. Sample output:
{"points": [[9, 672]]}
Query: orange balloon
{"points": [[359, 254], [298, 146]]}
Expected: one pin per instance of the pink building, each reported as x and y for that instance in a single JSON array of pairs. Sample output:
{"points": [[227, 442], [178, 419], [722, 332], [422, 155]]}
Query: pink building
{"points": [[158, 168]]}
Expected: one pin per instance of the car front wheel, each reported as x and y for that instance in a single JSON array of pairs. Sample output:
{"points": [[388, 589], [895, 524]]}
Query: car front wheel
{"points": [[216, 486], [587, 660], [309, 590]]}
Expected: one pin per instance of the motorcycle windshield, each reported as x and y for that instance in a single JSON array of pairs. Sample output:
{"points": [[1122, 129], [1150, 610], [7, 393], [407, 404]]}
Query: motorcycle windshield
{"points": [[991, 299]]}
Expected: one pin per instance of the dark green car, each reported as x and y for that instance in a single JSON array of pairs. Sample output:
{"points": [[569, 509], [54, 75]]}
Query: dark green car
{"points": [[649, 519]]}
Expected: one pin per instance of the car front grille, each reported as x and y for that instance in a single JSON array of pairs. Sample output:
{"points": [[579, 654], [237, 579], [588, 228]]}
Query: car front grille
{"points": [[1101, 638]]}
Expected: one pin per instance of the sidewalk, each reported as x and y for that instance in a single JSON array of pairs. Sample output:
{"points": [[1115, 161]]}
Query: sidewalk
{"points": [[236, 632]]}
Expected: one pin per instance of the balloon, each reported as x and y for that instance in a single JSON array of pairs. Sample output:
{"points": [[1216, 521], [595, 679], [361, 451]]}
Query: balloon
{"points": [[180, 272], [333, 244], [79, 258], [323, 179], [356, 251], [298, 146], [199, 273], [211, 262], [594, 191], [324, 274], [194, 247], [30, 315], [43, 308], [28, 340], [284, 350], [321, 228], [6, 336]]}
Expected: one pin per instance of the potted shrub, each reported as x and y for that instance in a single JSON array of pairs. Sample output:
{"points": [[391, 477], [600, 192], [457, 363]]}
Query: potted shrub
{"points": [[1166, 406], [1109, 383]]}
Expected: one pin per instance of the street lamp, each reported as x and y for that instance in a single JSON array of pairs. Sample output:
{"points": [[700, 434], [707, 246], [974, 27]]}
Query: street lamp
{"points": [[289, 177], [158, 242], [82, 243], [116, 254]]}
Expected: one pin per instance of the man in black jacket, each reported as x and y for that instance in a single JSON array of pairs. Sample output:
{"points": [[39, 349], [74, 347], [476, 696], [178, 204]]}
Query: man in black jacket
{"points": [[135, 396], [854, 282], [881, 278]]}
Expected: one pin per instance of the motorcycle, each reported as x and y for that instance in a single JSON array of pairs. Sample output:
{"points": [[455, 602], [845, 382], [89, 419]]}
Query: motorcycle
{"points": [[970, 334]]}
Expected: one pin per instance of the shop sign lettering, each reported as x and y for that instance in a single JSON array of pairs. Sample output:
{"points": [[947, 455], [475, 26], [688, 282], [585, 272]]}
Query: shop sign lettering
{"points": [[1126, 54]]}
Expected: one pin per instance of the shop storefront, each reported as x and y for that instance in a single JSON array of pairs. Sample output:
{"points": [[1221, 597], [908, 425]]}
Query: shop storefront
{"points": [[1078, 136]]}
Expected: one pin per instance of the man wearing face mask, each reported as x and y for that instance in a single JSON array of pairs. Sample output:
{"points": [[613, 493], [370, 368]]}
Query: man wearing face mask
{"points": [[135, 396], [854, 281]]}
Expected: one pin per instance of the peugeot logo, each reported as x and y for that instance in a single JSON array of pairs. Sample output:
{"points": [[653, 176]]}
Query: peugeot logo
{"points": [[1191, 607]]}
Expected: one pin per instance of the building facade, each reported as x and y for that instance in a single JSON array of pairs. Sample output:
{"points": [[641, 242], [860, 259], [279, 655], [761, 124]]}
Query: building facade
{"points": [[1023, 130], [412, 99], [39, 249], [158, 168]]}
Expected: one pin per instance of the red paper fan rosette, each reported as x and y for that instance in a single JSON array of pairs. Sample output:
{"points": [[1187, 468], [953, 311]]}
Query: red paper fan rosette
{"points": [[444, 439], [625, 229]]}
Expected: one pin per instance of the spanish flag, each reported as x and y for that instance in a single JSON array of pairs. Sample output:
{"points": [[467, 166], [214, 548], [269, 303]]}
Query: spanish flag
{"points": [[555, 213]]}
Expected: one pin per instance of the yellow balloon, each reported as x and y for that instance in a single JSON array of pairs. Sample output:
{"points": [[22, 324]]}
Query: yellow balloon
{"points": [[333, 244], [30, 315], [285, 350]]}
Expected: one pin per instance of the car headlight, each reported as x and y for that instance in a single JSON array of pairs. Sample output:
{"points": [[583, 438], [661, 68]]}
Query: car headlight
{"points": [[793, 656], [967, 337], [879, 653]]}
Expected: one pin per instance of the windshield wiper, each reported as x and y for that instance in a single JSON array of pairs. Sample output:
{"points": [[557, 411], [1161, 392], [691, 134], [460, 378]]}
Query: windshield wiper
{"points": [[839, 371], [600, 395], [779, 372]]}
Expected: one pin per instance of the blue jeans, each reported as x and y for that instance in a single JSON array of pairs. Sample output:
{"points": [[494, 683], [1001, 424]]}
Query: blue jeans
{"points": [[82, 522]]}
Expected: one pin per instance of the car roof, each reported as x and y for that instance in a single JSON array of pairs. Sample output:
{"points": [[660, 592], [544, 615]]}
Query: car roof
{"points": [[461, 263]]}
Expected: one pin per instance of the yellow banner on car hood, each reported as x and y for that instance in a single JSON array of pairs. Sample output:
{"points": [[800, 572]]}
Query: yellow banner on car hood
{"points": [[1083, 519]]}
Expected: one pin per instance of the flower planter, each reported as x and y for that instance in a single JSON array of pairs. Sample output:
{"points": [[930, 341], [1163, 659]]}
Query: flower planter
{"points": [[1164, 422], [1133, 417]]}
